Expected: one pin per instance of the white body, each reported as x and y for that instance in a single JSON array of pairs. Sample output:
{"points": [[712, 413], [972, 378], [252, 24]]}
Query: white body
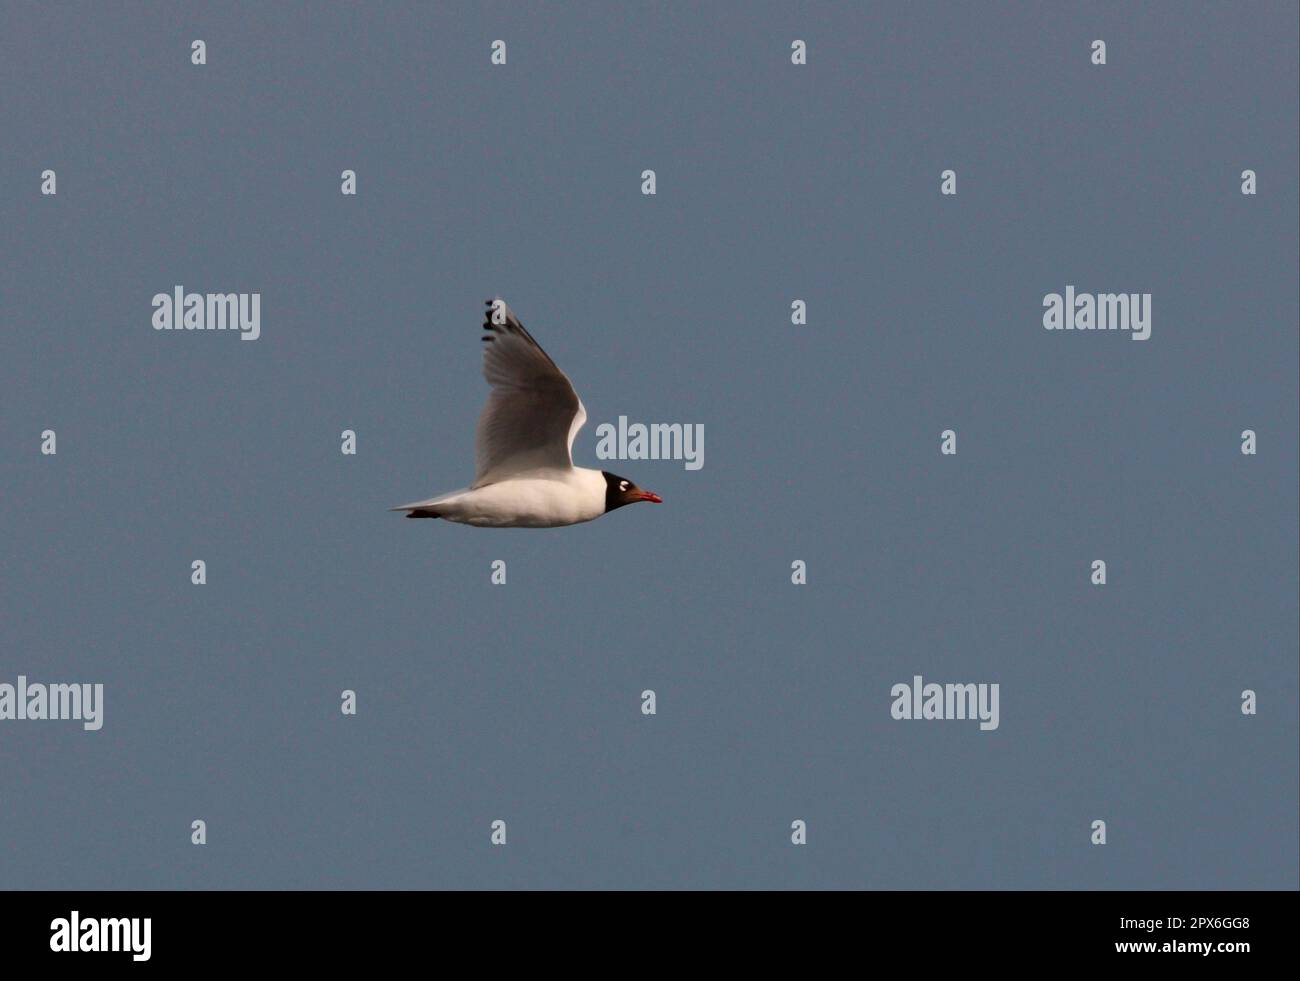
{"points": [[537, 499]]}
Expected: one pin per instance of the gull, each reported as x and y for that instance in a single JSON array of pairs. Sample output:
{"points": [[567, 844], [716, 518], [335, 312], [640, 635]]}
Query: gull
{"points": [[525, 477]]}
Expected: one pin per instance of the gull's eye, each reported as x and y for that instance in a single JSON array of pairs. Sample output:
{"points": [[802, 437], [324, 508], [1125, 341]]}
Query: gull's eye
{"points": [[622, 485]]}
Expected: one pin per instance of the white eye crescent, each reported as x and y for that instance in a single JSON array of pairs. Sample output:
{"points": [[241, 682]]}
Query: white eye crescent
{"points": [[622, 485]]}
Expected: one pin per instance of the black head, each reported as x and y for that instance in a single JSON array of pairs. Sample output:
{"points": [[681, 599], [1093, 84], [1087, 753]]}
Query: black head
{"points": [[620, 491]]}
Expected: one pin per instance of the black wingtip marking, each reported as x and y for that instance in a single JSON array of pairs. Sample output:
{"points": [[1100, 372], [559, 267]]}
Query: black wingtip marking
{"points": [[422, 513], [510, 326]]}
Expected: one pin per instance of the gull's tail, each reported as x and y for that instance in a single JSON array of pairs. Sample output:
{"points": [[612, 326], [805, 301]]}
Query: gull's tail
{"points": [[425, 509]]}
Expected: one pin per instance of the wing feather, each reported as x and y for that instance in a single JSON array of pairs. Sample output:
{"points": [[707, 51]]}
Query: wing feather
{"points": [[532, 414]]}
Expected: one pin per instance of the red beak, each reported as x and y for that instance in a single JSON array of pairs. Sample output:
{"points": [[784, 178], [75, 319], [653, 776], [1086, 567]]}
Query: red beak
{"points": [[652, 498]]}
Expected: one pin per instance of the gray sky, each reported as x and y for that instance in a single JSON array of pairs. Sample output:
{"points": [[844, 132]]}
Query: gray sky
{"points": [[775, 183]]}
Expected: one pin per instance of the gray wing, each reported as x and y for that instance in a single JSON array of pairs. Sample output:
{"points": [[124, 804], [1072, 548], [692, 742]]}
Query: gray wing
{"points": [[532, 414]]}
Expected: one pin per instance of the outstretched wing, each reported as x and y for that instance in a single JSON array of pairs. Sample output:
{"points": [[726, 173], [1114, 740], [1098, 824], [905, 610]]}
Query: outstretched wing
{"points": [[532, 414]]}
